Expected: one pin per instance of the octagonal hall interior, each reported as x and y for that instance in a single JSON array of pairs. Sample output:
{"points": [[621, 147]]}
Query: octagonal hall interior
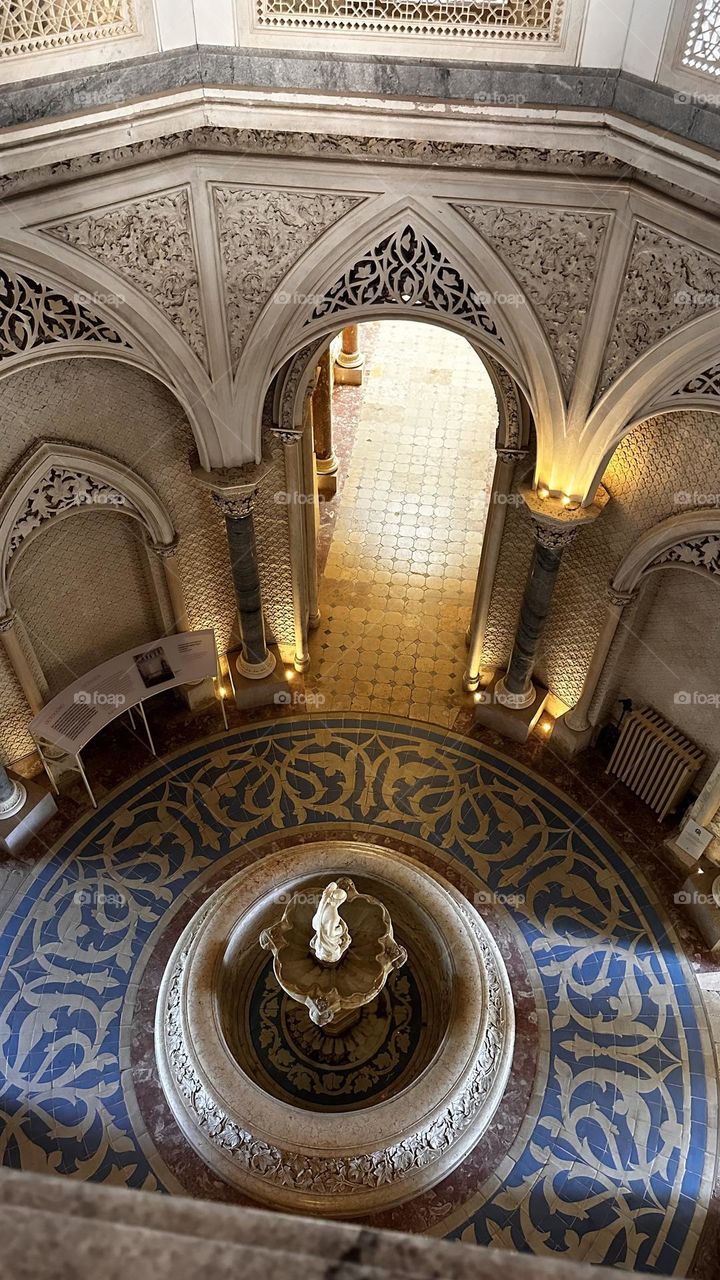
{"points": [[534, 1072]]}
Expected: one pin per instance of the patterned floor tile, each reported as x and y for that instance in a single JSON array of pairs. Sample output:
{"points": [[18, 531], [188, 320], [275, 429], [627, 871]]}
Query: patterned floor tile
{"points": [[605, 1150]]}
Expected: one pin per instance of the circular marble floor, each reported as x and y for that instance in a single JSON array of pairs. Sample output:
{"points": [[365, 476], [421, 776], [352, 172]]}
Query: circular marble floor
{"points": [[604, 1146]]}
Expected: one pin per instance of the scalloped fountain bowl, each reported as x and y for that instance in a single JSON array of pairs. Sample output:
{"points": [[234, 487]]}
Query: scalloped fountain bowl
{"points": [[378, 1104]]}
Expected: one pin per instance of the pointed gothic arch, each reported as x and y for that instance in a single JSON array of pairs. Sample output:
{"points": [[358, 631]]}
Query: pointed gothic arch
{"points": [[399, 263], [51, 309], [58, 480], [658, 382], [690, 541]]}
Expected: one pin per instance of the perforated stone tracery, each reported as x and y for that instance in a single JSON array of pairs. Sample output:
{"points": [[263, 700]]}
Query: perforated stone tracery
{"points": [[702, 50], [34, 315], [407, 270], [27, 26], [706, 383], [520, 21]]}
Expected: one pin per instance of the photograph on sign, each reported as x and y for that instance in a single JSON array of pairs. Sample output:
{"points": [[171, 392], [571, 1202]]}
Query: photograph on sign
{"points": [[154, 667]]}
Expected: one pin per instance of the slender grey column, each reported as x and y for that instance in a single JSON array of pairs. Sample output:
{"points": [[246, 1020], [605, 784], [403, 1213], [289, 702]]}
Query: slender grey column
{"points": [[256, 660], [516, 688], [556, 526]]}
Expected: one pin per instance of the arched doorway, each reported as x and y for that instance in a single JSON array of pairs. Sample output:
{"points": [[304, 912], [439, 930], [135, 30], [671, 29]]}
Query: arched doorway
{"points": [[399, 542]]}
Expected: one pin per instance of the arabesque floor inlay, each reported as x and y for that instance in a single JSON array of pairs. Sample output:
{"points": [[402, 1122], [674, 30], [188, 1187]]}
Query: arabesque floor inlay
{"points": [[611, 1157]]}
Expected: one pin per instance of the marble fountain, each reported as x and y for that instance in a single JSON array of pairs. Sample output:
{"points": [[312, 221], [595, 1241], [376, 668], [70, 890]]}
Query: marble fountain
{"points": [[334, 1029]]}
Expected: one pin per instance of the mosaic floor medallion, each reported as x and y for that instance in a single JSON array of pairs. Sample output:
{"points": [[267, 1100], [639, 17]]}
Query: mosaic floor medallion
{"points": [[325, 1070], [610, 1159]]}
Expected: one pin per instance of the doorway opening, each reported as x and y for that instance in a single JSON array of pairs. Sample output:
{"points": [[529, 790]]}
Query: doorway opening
{"points": [[400, 539]]}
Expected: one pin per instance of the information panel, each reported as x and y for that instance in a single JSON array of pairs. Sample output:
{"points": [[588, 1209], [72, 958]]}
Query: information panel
{"points": [[73, 717]]}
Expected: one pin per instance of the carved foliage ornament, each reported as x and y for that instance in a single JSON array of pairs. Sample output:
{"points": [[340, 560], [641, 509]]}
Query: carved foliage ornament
{"points": [[150, 242], [407, 270], [62, 490], [695, 553], [34, 315], [278, 142], [554, 255], [499, 21], [28, 26], [262, 234], [668, 282]]}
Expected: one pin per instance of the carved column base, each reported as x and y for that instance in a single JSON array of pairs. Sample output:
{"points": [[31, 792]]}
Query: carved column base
{"points": [[256, 670], [327, 471], [301, 661], [514, 701], [19, 828], [514, 723], [12, 795], [252, 691], [349, 375], [314, 620]]}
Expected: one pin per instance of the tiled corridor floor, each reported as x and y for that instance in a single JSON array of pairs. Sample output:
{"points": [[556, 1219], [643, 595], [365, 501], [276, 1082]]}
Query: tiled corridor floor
{"points": [[397, 589]]}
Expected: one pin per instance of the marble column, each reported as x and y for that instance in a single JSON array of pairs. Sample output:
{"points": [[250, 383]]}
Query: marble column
{"points": [[556, 525], [489, 556], [296, 507], [20, 664], [256, 660], [578, 718], [327, 463], [350, 360]]}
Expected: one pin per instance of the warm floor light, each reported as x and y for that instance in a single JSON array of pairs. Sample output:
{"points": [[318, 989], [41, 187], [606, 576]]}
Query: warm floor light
{"points": [[546, 726], [289, 673], [543, 492]]}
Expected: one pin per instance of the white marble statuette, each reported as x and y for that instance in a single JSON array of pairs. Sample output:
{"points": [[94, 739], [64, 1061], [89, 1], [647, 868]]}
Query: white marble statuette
{"points": [[331, 938]]}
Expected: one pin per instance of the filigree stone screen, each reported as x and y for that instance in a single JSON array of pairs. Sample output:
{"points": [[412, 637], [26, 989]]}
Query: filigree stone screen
{"points": [[504, 21], [702, 48], [29, 26]]}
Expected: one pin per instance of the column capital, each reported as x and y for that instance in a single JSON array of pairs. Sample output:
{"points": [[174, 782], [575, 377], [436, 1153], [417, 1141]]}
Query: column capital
{"points": [[511, 455], [286, 437], [554, 537], [164, 550], [238, 506], [558, 522], [620, 598], [232, 489], [8, 620]]}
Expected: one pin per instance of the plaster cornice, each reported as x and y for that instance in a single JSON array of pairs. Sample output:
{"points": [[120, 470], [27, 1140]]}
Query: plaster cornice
{"points": [[589, 140]]}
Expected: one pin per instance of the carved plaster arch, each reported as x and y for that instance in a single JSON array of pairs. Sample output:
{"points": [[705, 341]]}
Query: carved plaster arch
{"points": [[514, 337], [58, 480], [689, 541], [654, 384], [49, 315]]}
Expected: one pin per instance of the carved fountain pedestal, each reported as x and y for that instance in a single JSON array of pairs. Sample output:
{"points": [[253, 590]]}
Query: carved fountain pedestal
{"points": [[387, 1088], [340, 971]]}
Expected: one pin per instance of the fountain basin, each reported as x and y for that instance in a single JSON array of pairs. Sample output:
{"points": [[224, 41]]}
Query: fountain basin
{"points": [[303, 1140]]}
